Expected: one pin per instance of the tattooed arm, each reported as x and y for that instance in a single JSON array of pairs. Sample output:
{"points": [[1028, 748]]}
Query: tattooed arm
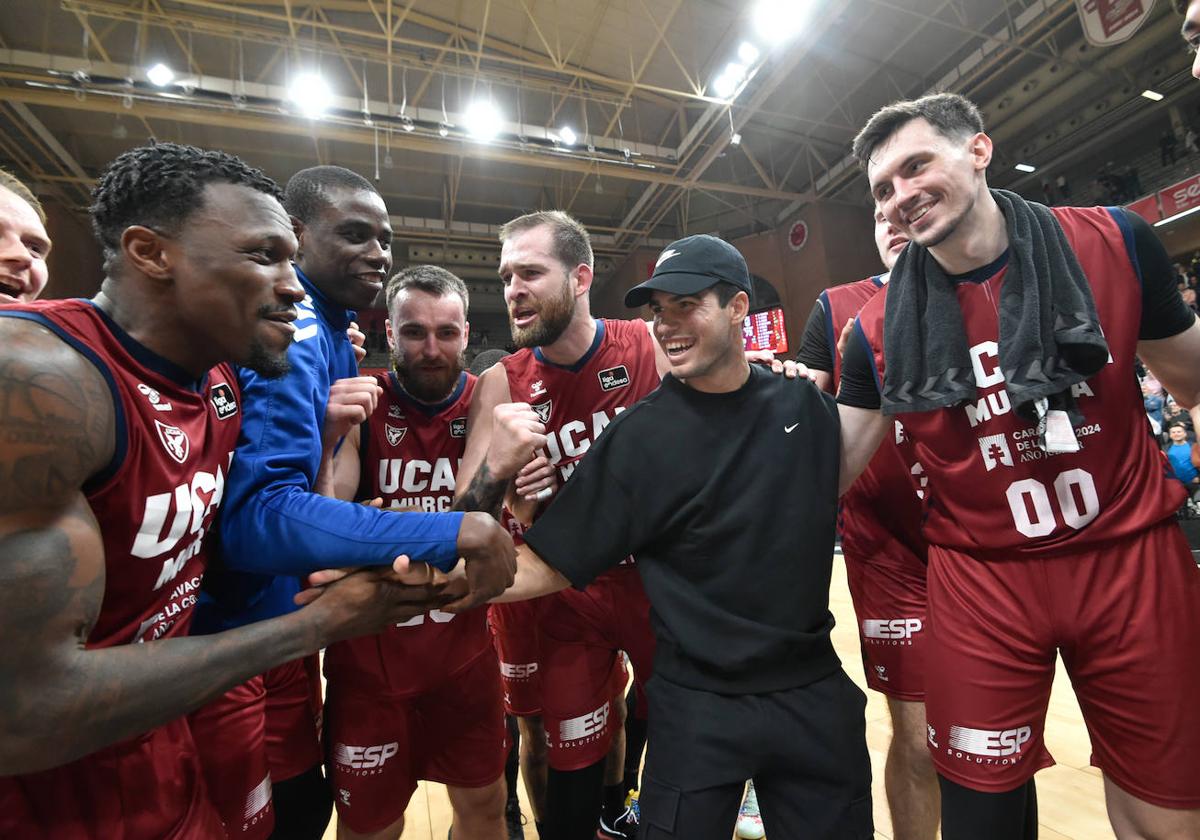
{"points": [[59, 700], [502, 437]]}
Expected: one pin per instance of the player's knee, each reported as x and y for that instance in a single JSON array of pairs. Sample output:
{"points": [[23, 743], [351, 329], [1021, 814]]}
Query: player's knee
{"points": [[476, 808]]}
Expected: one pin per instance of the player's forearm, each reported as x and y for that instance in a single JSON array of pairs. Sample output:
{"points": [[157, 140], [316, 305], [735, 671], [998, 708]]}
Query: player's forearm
{"points": [[535, 577], [484, 493], [862, 430], [66, 705]]}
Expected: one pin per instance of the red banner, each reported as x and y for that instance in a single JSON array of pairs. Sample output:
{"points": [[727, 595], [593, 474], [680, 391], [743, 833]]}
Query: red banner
{"points": [[1108, 22], [1147, 208], [1179, 197]]}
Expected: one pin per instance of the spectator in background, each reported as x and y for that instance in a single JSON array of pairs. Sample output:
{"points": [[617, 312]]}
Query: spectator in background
{"points": [[1064, 189], [1152, 398], [1166, 145], [1189, 141], [1184, 458], [1189, 297], [1174, 413], [1047, 192], [1133, 183]]}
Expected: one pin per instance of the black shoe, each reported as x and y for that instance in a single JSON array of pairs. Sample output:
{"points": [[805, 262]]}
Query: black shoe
{"points": [[514, 820], [624, 827]]}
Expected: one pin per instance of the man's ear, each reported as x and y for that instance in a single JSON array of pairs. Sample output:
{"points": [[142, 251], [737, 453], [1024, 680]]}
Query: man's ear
{"points": [[147, 251], [298, 229], [739, 306], [583, 278]]}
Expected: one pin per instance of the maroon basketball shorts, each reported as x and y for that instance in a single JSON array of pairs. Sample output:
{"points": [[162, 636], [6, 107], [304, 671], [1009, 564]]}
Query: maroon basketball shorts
{"points": [[1125, 617], [516, 635], [583, 633], [379, 746], [887, 587], [262, 731], [148, 786]]}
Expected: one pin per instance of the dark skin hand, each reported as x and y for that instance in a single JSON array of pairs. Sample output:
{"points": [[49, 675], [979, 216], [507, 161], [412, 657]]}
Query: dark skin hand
{"points": [[58, 700]]}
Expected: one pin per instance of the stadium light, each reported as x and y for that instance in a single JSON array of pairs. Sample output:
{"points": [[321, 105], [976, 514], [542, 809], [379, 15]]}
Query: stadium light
{"points": [[310, 93], [160, 75], [482, 119]]}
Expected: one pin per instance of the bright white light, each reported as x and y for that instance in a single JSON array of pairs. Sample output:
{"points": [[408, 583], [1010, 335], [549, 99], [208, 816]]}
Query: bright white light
{"points": [[778, 20], [1025, 167], [1152, 95], [567, 135], [160, 75], [1170, 219], [407, 124], [724, 86], [443, 129], [747, 53], [735, 71], [310, 93], [735, 139], [482, 119]]}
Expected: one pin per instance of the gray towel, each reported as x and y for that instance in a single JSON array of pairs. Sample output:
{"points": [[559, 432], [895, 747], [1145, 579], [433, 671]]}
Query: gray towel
{"points": [[1050, 335]]}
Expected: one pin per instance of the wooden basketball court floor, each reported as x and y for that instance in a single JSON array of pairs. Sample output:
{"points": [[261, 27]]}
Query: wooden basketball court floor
{"points": [[1070, 794]]}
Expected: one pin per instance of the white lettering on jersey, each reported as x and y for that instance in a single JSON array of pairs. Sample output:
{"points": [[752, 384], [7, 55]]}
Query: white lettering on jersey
{"points": [[193, 503], [569, 440], [415, 476]]}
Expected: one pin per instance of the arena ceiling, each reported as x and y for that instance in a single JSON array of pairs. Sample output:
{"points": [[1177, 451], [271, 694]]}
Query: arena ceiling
{"points": [[635, 80]]}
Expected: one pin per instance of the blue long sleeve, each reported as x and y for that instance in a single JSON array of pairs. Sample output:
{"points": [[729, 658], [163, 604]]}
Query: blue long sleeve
{"points": [[273, 529]]}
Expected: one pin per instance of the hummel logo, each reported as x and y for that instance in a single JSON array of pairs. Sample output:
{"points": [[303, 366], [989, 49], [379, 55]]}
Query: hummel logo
{"points": [[666, 255], [787, 430]]}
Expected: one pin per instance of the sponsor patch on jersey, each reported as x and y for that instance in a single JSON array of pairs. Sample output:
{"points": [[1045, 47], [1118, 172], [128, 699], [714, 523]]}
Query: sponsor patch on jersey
{"points": [[223, 401], [395, 411], [154, 397], [614, 377], [543, 410], [394, 434], [458, 427], [174, 440]]}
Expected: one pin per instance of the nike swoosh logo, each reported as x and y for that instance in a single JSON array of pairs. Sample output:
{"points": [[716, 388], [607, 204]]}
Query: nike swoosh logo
{"points": [[789, 429]]}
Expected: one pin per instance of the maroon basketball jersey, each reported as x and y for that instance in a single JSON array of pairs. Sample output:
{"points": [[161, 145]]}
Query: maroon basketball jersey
{"points": [[885, 502], [410, 457], [577, 402], [156, 501], [992, 489]]}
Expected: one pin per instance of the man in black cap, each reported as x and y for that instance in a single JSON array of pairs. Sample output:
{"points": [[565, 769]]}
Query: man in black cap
{"points": [[746, 682]]}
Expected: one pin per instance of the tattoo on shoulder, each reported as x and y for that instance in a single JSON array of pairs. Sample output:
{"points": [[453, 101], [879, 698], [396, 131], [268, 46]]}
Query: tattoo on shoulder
{"points": [[56, 423]]}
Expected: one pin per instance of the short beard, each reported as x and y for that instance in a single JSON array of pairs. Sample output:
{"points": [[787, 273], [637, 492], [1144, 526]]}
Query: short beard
{"points": [[265, 363], [425, 390], [552, 321]]}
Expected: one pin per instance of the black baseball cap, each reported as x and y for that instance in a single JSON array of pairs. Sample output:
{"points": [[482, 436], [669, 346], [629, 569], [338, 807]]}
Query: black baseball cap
{"points": [[691, 265]]}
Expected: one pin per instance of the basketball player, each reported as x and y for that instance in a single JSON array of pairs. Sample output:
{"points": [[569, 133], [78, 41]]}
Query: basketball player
{"points": [[24, 242], [1053, 534], [578, 372], [428, 690], [880, 525], [119, 418], [263, 735]]}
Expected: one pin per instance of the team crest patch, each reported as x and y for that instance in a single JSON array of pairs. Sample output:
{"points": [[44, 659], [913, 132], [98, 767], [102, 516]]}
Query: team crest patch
{"points": [[223, 401], [458, 427], [543, 410], [394, 435], [174, 440], [395, 411], [614, 377]]}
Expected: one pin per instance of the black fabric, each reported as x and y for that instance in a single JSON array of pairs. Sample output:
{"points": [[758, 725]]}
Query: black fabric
{"points": [[1164, 314], [693, 485], [612, 803], [1050, 334], [973, 815], [303, 805], [805, 748], [815, 351], [573, 801]]}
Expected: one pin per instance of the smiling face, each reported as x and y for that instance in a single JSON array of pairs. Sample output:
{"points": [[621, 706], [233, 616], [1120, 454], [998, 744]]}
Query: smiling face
{"points": [[346, 250], [1178, 434], [235, 288], [427, 334], [539, 290], [24, 245], [701, 338], [925, 184], [888, 241]]}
